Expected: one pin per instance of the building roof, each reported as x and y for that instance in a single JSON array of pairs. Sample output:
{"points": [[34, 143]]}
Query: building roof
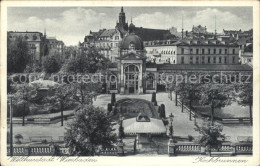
{"points": [[44, 83], [28, 36], [153, 126], [147, 34], [132, 39], [204, 67], [108, 33], [249, 48]]}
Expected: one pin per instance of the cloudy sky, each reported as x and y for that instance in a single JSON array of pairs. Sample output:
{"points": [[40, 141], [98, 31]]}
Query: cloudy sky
{"points": [[71, 24]]}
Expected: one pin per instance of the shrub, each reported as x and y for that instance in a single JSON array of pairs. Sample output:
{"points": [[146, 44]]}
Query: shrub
{"points": [[190, 138], [153, 97], [162, 111], [18, 138], [155, 103], [113, 98], [159, 110], [109, 107], [44, 141]]}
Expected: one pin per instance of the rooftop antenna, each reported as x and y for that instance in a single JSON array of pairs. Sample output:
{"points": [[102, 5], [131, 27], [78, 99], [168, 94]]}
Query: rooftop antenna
{"points": [[215, 27], [44, 31], [182, 26]]}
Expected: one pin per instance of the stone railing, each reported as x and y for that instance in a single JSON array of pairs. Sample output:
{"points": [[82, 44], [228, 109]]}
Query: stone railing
{"points": [[49, 150], [225, 149], [108, 152], [243, 148], [39, 150], [187, 148]]}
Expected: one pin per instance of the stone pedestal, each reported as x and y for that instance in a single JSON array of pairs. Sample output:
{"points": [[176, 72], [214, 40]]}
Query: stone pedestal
{"points": [[171, 148], [27, 151], [120, 149], [202, 150]]}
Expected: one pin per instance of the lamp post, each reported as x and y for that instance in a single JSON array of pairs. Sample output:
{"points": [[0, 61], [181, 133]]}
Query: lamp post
{"points": [[11, 124], [171, 127]]}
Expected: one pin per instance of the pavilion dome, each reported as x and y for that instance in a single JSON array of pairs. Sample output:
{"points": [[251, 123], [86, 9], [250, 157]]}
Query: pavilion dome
{"points": [[132, 40]]}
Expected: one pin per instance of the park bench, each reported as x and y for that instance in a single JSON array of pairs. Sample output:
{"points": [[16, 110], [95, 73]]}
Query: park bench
{"points": [[40, 139]]}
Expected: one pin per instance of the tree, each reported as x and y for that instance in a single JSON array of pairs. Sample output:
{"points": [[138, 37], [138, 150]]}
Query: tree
{"points": [[216, 96], [84, 92], [51, 64], [23, 97], [91, 129], [17, 55], [244, 97], [87, 62], [211, 134], [62, 96], [183, 90]]}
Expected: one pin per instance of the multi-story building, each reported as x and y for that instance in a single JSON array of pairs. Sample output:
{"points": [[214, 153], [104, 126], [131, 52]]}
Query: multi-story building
{"points": [[192, 51], [55, 47], [246, 55], [36, 42]]}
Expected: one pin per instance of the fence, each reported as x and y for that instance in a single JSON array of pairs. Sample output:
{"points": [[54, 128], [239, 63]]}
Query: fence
{"points": [[240, 120]]}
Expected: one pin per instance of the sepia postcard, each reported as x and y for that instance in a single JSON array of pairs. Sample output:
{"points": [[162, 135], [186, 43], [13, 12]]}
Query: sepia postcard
{"points": [[129, 83]]}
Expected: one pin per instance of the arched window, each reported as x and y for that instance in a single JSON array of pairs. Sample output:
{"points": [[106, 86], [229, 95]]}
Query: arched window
{"points": [[131, 46]]}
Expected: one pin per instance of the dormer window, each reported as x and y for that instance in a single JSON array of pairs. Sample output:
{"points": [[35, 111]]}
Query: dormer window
{"points": [[131, 46], [34, 37]]}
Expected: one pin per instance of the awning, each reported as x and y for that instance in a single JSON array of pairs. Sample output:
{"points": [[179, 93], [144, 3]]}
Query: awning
{"points": [[155, 126]]}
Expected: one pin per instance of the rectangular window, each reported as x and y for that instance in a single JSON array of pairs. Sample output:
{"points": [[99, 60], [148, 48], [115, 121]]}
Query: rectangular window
{"points": [[208, 59], [220, 60], [225, 59], [214, 51], [197, 51], [233, 59], [191, 51], [182, 50], [191, 59], [209, 51], [233, 51], [214, 59], [182, 60], [203, 51], [197, 59], [203, 60], [220, 51], [225, 51]]}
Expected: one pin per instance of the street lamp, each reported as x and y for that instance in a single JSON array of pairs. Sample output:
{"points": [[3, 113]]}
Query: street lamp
{"points": [[171, 127], [11, 124]]}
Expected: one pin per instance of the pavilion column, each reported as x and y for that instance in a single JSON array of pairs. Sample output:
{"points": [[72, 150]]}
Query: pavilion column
{"points": [[140, 82], [122, 81]]}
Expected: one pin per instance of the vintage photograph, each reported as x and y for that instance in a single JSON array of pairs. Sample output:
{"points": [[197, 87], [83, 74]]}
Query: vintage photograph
{"points": [[130, 81]]}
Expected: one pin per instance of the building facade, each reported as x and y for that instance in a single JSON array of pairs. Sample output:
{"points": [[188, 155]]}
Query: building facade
{"points": [[39, 44]]}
